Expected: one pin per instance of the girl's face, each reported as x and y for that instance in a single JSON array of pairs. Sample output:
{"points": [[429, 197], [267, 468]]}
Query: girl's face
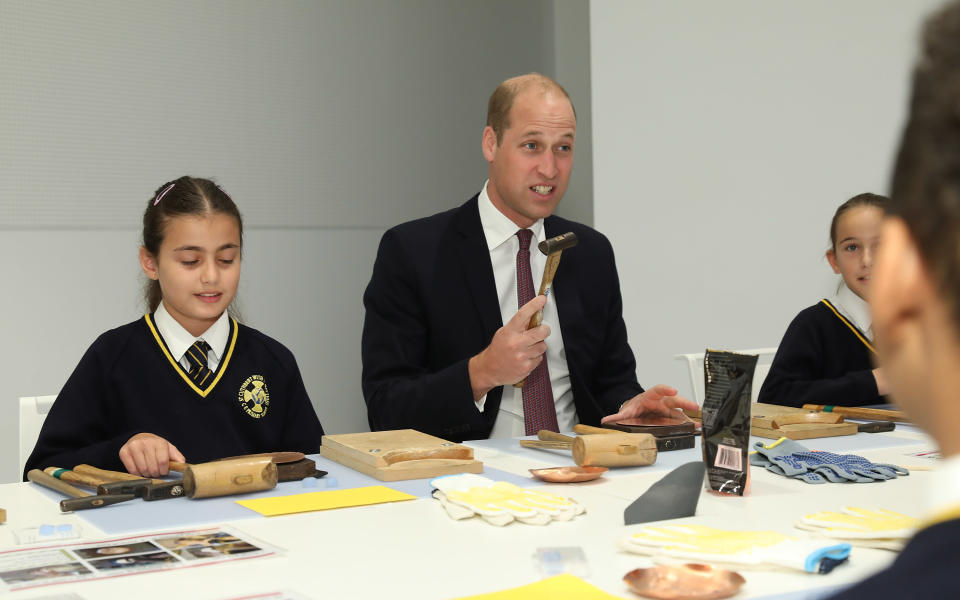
{"points": [[198, 268], [857, 240]]}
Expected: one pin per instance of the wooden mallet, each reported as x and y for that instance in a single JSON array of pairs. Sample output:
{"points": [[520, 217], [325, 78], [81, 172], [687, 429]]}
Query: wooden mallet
{"points": [[617, 449], [552, 248]]}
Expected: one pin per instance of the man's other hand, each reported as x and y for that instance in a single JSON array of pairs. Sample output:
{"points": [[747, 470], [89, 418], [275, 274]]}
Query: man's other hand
{"points": [[660, 400]]}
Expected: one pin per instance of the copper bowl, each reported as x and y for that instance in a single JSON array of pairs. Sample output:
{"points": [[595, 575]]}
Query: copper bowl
{"points": [[692, 581], [568, 474]]}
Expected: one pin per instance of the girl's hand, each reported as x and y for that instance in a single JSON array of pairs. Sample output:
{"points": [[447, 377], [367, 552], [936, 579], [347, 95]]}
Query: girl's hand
{"points": [[149, 455], [882, 388]]}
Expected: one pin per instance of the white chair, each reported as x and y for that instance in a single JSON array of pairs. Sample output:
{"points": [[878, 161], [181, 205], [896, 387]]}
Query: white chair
{"points": [[694, 362], [33, 411]]}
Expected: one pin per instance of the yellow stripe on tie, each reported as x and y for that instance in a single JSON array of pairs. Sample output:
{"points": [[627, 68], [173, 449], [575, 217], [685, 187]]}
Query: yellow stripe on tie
{"points": [[205, 377]]}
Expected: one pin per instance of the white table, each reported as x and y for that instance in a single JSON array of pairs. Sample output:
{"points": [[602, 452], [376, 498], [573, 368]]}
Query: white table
{"points": [[413, 550]]}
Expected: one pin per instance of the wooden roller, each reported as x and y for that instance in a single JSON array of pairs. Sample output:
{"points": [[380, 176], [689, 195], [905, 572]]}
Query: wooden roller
{"points": [[616, 449], [225, 477]]}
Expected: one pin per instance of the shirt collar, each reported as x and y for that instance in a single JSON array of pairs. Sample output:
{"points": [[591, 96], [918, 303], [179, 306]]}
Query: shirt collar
{"points": [[854, 308], [497, 228], [179, 339]]}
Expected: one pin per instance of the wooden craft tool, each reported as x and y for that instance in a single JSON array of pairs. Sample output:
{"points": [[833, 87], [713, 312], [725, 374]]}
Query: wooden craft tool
{"points": [[291, 466], [859, 412], [670, 433], [79, 500], [773, 421], [148, 489], [552, 249], [106, 475], [399, 454], [227, 477], [614, 450]]}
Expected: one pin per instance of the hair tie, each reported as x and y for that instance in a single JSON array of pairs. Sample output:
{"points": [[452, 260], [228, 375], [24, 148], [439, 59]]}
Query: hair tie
{"points": [[163, 193]]}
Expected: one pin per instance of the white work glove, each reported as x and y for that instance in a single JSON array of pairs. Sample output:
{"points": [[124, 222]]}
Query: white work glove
{"points": [[499, 502], [746, 549], [874, 528]]}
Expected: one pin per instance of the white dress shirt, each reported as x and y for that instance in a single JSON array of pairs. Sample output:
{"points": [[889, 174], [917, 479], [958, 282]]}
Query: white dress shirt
{"points": [[502, 241], [854, 308], [179, 339]]}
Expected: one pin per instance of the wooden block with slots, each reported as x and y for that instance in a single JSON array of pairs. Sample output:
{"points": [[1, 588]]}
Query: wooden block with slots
{"points": [[774, 422], [399, 455]]}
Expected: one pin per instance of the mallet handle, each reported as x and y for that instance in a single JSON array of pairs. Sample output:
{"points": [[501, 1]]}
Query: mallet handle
{"points": [[855, 412]]}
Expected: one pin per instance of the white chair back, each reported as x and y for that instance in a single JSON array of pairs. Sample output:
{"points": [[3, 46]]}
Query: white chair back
{"points": [[694, 362], [33, 411]]}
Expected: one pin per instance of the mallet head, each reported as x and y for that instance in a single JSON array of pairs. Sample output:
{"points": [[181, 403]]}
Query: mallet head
{"points": [[558, 243]]}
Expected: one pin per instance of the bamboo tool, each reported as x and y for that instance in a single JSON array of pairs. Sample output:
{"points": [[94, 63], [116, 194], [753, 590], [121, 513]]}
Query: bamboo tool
{"points": [[856, 412], [79, 500], [552, 248], [399, 454], [614, 450]]}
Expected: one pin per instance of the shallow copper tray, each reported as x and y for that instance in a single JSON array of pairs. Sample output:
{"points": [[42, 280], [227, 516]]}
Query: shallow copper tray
{"points": [[692, 581], [568, 474]]}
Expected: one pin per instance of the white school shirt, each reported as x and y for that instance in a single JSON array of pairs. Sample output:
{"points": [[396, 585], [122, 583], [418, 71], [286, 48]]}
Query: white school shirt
{"points": [[179, 339], [854, 308], [501, 235]]}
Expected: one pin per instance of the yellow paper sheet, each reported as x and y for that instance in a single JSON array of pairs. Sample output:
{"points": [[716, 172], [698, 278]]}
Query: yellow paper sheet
{"points": [[298, 503], [559, 587]]}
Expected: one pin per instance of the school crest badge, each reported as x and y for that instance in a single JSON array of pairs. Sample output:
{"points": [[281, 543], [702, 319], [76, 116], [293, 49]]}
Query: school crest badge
{"points": [[254, 397]]}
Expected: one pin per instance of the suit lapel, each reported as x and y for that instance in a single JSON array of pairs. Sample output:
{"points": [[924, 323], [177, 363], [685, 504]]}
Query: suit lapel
{"points": [[476, 268]]}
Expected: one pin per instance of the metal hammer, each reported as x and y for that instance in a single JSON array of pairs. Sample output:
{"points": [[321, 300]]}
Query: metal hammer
{"points": [[552, 248]]}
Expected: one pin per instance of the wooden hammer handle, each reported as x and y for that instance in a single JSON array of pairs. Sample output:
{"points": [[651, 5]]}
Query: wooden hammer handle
{"points": [[552, 436], [590, 429], [856, 412], [542, 445], [49, 481], [110, 475], [75, 478]]}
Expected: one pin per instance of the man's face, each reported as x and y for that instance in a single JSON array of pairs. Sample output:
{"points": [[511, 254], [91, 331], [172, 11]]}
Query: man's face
{"points": [[530, 167], [899, 298]]}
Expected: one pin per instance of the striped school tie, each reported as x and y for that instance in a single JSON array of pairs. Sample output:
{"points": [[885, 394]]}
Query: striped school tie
{"points": [[197, 357], [539, 411]]}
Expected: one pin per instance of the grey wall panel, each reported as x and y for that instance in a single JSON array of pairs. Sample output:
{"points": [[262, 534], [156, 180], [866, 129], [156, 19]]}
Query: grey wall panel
{"points": [[725, 136]]}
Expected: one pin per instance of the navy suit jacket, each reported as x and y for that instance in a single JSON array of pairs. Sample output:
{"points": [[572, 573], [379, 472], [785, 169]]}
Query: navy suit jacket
{"points": [[432, 304]]}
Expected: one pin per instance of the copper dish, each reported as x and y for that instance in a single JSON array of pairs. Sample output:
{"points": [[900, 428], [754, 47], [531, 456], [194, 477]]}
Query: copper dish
{"points": [[692, 581], [568, 474]]}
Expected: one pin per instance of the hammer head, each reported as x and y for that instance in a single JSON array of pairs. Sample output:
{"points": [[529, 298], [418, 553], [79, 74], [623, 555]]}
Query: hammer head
{"points": [[558, 244]]}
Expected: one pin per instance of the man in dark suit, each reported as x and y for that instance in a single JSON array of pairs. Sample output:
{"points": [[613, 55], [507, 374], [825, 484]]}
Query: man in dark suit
{"points": [[915, 300], [448, 304]]}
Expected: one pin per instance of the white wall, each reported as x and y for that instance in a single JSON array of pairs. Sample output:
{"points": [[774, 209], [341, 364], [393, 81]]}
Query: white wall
{"points": [[725, 135], [327, 121]]}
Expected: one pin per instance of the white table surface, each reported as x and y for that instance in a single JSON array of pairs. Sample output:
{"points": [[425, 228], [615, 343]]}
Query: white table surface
{"points": [[413, 550]]}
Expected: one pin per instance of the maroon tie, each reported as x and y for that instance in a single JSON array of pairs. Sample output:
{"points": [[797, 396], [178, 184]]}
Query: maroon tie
{"points": [[539, 411]]}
